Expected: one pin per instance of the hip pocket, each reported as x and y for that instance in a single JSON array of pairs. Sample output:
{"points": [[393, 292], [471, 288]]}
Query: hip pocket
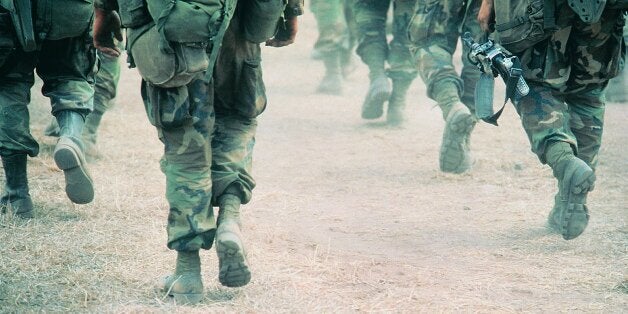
{"points": [[251, 99]]}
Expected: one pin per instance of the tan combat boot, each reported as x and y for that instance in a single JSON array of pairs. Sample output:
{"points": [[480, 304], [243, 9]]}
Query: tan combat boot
{"points": [[455, 150], [186, 284], [233, 268], [570, 215]]}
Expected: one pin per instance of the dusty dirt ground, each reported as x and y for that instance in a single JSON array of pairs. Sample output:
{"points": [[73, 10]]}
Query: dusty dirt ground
{"points": [[348, 215]]}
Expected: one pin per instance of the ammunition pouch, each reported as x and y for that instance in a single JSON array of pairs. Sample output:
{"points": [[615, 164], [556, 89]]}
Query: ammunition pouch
{"points": [[260, 19], [186, 61], [521, 24]]}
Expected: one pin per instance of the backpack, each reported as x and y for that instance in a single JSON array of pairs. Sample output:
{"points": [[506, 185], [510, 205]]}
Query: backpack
{"points": [[520, 24]]}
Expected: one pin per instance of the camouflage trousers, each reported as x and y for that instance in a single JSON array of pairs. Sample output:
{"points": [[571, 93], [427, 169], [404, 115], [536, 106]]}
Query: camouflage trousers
{"points": [[336, 25], [434, 33], [568, 73], [67, 69], [208, 131], [373, 47]]}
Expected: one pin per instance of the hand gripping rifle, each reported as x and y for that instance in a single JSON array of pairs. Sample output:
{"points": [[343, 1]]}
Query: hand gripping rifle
{"points": [[493, 60]]}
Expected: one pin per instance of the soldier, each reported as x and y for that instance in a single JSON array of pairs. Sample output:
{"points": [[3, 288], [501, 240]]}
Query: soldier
{"points": [[373, 48], [434, 33], [208, 129], [336, 39], [65, 60], [563, 115], [106, 88]]}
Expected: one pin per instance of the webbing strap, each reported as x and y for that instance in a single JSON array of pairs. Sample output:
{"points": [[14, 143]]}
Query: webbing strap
{"points": [[230, 6], [161, 23]]}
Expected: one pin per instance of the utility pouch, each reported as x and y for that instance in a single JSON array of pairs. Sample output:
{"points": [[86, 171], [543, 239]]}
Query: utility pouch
{"points": [[186, 62], [260, 19], [58, 19], [522, 23], [187, 21]]}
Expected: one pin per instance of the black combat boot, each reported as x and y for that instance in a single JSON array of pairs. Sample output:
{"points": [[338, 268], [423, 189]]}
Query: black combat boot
{"points": [[185, 284], [397, 102], [233, 267], [332, 82], [68, 156], [570, 215], [16, 194]]}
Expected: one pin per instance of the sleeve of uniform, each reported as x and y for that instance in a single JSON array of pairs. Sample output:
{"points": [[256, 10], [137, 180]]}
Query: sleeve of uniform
{"points": [[106, 5], [294, 8]]}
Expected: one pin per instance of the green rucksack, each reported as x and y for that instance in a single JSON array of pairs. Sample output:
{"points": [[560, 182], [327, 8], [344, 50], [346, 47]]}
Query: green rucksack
{"points": [[522, 23]]}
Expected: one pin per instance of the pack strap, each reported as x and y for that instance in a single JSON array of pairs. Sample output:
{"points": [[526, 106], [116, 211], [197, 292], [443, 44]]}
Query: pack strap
{"points": [[230, 6]]}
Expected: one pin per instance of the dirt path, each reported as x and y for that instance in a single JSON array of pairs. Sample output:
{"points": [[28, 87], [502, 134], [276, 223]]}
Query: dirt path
{"points": [[347, 216]]}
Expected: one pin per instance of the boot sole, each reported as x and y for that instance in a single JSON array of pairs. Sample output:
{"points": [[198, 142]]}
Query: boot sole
{"points": [[78, 184], [452, 157], [576, 216], [234, 271]]}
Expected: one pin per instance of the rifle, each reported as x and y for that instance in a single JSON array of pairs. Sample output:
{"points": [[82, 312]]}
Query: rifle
{"points": [[493, 60]]}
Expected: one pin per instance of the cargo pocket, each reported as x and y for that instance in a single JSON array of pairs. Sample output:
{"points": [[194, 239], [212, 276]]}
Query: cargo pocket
{"points": [[423, 21], [166, 108], [7, 37], [251, 90]]}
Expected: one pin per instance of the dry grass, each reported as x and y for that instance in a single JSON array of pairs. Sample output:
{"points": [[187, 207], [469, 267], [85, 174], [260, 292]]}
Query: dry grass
{"points": [[348, 216]]}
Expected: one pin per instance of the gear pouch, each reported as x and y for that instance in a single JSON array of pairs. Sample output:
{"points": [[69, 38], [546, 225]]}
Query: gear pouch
{"points": [[260, 19], [187, 62]]}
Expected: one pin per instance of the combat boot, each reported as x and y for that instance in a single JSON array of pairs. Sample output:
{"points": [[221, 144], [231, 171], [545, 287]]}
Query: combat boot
{"points": [[16, 195], [186, 284], [378, 93], [90, 135], [570, 215], [347, 63], [397, 102], [332, 82], [68, 156], [455, 150], [233, 268]]}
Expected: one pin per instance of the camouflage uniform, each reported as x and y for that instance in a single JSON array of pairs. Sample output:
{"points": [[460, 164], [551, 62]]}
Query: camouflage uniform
{"points": [[434, 33], [335, 43], [66, 65], [208, 132], [375, 51], [567, 74], [563, 115]]}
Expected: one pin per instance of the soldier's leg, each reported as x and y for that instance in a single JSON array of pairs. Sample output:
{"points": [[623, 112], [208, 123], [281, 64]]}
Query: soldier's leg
{"points": [[402, 69], [332, 41], [347, 60], [184, 118], [370, 17], [240, 98], [106, 85], [67, 69], [470, 73], [434, 36], [16, 141]]}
